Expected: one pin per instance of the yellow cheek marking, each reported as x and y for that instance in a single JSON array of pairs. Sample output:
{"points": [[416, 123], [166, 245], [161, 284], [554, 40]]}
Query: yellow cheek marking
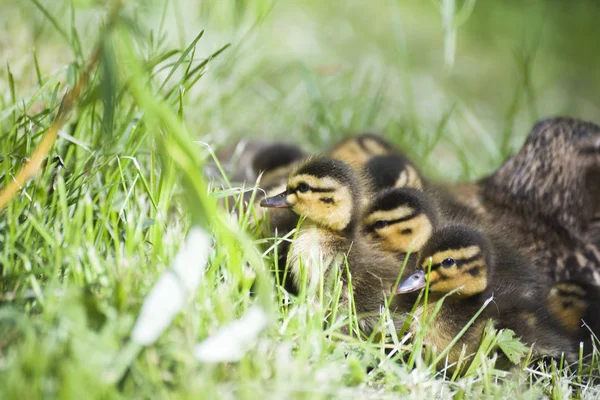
{"points": [[402, 180], [397, 213], [433, 276], [458, 254], [459, 277], [414, 181], [394, 240], [291, 198], [334, 215], [569, 310], [338, 214], [470, 285]]}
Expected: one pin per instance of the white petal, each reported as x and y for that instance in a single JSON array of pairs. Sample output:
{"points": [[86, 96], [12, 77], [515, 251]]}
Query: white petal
{"points": [[231, 342], [173, 288]]}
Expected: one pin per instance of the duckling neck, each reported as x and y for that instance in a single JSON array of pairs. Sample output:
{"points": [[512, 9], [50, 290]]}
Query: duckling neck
{"points": [[347, 232]]}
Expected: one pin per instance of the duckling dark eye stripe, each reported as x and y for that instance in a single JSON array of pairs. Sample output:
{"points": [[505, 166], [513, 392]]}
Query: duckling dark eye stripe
{"points": [[469, 260], [322, 190], [314, 190], [474, 271], [398, 220], [567, 293], [363, 146], [459, 262]]}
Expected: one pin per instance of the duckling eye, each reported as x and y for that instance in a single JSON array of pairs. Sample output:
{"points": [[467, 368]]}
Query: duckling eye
{"points": [[303, 187], [380, 224], [448, 262]]}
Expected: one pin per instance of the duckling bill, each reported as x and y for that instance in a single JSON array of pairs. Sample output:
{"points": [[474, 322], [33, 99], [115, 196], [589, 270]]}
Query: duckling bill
{"points": [[277, 201], [416, 281]]}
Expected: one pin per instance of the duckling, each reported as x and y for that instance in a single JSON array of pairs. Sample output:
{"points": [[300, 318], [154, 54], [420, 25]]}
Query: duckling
{"points": [[276, 161], [358, 150], [244, 160], [576, 304], [549, 192], [400, 221], [327, 194], [393, 171], [469, 267]]}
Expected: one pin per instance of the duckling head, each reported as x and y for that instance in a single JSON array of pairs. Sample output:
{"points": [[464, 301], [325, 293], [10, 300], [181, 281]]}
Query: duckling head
{"points": [[325, 191], [392, 171], [358, 150], [460, 258], [569, 302], [276, 155], [400, 220]]}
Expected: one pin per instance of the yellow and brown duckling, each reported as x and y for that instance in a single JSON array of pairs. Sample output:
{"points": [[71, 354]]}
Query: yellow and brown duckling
{"points": [[403, 219], [327, 194], [577, 306], [400, 220], [549, 192], [470, 267]]}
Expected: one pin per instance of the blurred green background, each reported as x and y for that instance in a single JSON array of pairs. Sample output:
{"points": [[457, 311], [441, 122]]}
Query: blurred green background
{"points": [[313, 71]]}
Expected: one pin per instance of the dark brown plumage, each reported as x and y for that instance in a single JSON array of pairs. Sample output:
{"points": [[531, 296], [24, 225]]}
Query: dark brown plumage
{"points": [[549, 194]]}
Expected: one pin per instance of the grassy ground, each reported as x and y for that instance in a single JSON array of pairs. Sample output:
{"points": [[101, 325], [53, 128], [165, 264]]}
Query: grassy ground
{"points": [[84, 242]]}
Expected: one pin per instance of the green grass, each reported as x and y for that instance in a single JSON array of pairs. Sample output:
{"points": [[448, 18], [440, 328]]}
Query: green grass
{"points": [[82, 245]]}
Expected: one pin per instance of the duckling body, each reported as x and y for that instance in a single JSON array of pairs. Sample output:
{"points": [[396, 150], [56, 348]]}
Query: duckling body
{"points": [[549, 193], [481, 266], [327, 194]]}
